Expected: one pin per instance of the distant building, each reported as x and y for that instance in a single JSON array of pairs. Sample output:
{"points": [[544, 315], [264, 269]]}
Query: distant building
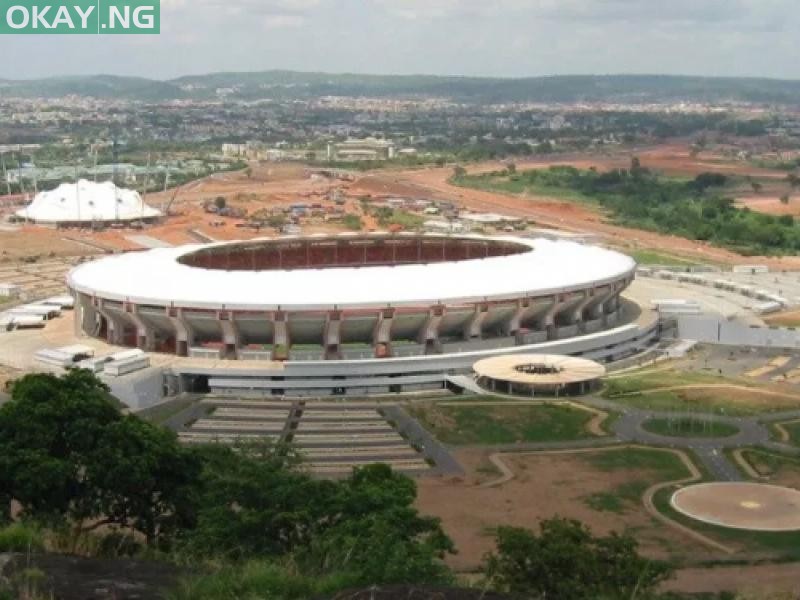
{"points": [[362, 149]]}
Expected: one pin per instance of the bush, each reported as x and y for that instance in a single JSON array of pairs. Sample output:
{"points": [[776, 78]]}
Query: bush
{"points": [[21, 537], [258, 579]]}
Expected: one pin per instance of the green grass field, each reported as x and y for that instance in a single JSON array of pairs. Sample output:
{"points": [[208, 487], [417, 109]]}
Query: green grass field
{"points": [[505, 185], [793, 429], [645, 391], [506, 424], [649, 380], [768, 463], [619, 499], [689, 427], [656, 466], [665, 465], [652, 257]]}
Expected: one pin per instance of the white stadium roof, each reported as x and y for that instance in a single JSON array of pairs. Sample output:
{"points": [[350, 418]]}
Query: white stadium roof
{"points": [[155, 277], [87, 202]]}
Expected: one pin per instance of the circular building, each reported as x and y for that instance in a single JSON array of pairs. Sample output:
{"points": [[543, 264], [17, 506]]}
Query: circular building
{"points": [[345, 296], [87, 202], [538, 374], [741, 505]]}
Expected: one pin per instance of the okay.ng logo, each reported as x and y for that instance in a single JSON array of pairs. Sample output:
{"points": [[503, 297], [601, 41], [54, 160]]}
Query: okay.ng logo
{"points": [[80, 16]]}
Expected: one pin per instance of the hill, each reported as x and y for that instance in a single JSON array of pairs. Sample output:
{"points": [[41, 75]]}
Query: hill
{"points": [[298, 85]]}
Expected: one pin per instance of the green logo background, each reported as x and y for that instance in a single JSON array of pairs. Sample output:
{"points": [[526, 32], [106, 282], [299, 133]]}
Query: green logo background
{"points": [[110, 17]]}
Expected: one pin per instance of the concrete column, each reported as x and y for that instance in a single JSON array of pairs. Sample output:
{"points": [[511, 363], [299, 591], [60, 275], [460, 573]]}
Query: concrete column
{"points": [[230, 333], [114, 326], [184, 334], [430, 331], [78, 325], [611, 305], [382, 333], [332, 334], [548, 320], [145, 334], [85, 316], [280, 335], [577, 313], [512, 326], [596, 311], [474, 327]]}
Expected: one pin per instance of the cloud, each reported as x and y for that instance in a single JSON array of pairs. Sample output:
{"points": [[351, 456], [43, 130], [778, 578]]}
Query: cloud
{"points": [[282, 21], [470, 37]]}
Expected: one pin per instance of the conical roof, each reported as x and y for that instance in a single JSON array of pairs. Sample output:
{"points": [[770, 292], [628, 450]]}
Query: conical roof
{"points": [[87, 202]]}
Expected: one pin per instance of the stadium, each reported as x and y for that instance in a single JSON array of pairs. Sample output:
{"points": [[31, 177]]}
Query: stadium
{"points": [[397, 311]]}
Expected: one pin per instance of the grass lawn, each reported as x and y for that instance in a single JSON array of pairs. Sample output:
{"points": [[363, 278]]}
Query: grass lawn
{"points": [[768, 464], [793, 429], [645, 391], [650, 380], [652, 257], [506, 185], [664, 464], [656, 465], [506, 424], [689, 427], [619, 499]]}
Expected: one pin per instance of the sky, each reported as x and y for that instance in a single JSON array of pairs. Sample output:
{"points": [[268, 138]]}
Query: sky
{"points": [[502, 38]]}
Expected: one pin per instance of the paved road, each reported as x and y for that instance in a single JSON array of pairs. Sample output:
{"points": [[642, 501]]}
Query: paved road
{"points": [[710, 451]]}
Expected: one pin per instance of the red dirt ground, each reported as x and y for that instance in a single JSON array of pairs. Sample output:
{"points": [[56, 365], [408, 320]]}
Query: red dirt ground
{"points": [[560, 214], [281, 184]]}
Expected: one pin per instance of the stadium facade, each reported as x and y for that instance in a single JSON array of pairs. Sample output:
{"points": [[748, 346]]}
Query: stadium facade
{"points": [[358, 313]]}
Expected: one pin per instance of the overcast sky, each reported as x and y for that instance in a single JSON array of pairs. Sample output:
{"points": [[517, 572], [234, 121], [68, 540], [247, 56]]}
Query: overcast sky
{"points": [[460, 37]]}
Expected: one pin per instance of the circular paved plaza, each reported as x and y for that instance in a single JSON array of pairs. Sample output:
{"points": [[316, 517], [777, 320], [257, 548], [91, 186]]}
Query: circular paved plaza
{"points": [[753, 506]]}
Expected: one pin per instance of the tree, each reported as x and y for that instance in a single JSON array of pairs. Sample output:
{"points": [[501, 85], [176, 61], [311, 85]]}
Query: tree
{"points": [[68, 455], [143, 479], [567, 562], [48, 432], [254, 506], [220, 202], [277, 221], [374, 531]]}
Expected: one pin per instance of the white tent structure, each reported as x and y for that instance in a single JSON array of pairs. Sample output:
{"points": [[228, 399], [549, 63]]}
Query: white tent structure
{"points": [[87, 202]]}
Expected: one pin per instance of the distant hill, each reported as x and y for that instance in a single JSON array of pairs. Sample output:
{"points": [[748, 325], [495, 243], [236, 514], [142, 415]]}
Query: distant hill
{"points": [[95, 86], [291, 84]]}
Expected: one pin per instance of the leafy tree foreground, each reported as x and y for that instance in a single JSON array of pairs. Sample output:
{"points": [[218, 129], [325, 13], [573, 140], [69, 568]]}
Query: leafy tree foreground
{"points": [[246, 521]]}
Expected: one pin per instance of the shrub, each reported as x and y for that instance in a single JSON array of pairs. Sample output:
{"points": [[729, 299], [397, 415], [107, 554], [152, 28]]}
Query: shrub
{"points": [[21, 537]]}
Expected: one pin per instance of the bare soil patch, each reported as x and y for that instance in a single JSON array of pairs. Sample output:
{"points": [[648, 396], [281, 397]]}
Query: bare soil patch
{"points": [[546, 485], [561, 214]]}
